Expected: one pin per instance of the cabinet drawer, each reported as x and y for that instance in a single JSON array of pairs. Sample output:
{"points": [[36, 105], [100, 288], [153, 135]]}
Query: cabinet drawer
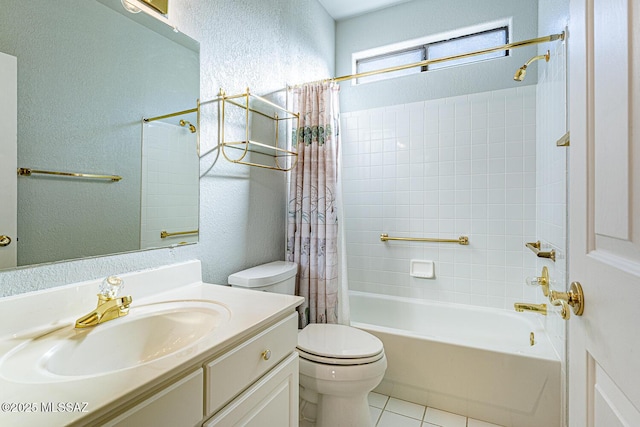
{"points": [[231, 373], [270, 402], [180, 404]]}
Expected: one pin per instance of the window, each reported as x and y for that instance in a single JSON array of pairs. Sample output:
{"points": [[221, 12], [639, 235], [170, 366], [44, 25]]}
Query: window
{"points": [[433, 50]]}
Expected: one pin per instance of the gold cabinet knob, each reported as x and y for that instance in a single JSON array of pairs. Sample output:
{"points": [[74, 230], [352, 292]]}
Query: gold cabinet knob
{"points": [[5, 241], [266, 355]]}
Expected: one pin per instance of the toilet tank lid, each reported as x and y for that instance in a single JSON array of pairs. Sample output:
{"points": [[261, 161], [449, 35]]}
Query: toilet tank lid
{"points": [[264, 275]]}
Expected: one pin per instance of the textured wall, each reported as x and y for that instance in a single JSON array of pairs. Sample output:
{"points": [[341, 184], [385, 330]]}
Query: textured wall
{"points": [[259, 44], [420, 18]]}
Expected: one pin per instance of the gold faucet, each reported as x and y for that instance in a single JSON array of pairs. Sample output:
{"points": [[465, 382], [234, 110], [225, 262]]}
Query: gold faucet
{"points": [[536, 308], [110, 306]]}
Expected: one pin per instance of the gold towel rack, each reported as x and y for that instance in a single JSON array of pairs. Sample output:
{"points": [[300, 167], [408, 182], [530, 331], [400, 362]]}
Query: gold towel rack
{"points": [[164, 234], [462, 240], [29, 172], [535, 248], [253, 104]]}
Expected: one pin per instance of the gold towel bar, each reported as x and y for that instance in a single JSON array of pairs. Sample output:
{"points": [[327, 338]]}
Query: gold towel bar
{"points": [[29, 172], [462, 240], [535, 248], [164, 234]]}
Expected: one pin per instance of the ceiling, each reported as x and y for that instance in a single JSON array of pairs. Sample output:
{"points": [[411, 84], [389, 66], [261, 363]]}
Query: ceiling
{"points": [[342, 9]]}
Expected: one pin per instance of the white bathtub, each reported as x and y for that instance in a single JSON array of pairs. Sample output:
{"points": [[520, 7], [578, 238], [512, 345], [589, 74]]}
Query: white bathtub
{"points": [[472, 361]]}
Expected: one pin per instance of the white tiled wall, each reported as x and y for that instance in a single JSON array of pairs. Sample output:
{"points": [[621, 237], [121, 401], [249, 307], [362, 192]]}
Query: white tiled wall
{"points": [[443, 168], [170, 183], [551, 186]]}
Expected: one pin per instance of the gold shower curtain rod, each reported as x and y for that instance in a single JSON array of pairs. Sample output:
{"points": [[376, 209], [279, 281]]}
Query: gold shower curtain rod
{"points": [[545, 39]]}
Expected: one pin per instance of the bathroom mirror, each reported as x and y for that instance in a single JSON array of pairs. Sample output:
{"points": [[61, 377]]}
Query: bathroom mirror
{"points": [[88, 72]]}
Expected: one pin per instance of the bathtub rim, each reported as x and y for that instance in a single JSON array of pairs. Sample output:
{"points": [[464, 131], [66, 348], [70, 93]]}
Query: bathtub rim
{"points": [[542, 350]]}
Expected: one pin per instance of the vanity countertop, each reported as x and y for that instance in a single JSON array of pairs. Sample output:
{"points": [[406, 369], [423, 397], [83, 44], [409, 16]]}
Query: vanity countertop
{"points": [[50, 399]]}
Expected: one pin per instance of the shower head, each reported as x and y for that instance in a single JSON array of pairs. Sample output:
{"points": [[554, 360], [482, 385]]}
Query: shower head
{"points": [[522, 71], [520, 74], [192, 128]]}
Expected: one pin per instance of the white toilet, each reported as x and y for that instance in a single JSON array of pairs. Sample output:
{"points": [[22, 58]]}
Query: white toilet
{"points": [[339, 365]]}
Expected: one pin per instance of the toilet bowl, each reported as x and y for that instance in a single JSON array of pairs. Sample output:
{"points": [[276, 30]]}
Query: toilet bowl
{"points": [[339, 365]]}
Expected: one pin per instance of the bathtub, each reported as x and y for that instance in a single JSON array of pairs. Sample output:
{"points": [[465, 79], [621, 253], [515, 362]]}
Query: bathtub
{"points": [[468, 360]]}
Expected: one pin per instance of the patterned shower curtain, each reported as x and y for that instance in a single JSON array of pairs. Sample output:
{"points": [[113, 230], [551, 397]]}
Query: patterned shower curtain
{"points": [[312, 227]]}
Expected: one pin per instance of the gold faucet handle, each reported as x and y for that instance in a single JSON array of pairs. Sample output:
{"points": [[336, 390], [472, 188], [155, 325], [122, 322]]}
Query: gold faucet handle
{"points": [[542, 281], [111, 286]]}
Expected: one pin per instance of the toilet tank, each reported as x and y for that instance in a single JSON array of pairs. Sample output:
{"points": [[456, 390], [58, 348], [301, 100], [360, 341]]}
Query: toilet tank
{"points": [[277, 276]]}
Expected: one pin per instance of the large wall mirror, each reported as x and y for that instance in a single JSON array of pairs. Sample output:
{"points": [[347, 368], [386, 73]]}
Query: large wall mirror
{"points": [[88, 72]]}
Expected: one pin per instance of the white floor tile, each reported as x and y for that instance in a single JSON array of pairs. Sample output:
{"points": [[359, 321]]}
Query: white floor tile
{"points": [[375, 415], [477, 423], [444, 419], [405, 408], [377, 400], [389, 419]]}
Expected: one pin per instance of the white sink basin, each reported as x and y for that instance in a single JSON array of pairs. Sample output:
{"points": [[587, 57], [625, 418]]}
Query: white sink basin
{"points": [[148, 333]]}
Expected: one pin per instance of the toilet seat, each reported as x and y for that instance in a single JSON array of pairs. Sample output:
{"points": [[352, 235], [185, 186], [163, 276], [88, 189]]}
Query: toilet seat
{"points": [[338, 361], [338, 345]]}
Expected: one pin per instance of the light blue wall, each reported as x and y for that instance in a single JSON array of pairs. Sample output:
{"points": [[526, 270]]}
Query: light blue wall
{"points": [[421, 18], [260, 44]]}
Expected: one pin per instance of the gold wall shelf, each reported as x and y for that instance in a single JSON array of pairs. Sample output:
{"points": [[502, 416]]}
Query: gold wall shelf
{"points": [[462, 240], [29, 172], [535, 248], [255, 107]]}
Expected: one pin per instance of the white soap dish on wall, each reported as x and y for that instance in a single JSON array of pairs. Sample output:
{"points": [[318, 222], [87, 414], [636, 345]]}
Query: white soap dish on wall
{"points": [[423, 269]]}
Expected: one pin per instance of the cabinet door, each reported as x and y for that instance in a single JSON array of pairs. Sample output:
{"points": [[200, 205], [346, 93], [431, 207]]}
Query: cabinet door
{"points": [[180, 404], [271, 402]]}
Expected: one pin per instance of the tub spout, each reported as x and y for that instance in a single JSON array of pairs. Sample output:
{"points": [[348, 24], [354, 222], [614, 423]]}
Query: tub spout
{"points": [[536, 308]]}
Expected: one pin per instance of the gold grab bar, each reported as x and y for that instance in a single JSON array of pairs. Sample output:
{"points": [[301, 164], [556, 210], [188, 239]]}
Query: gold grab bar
{"points": [[462, 240], [164, 234], [29, 172], [535, 248]]}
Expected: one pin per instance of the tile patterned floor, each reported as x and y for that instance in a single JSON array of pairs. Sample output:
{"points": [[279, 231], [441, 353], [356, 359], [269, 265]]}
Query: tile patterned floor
{"points": [[391, 412]]}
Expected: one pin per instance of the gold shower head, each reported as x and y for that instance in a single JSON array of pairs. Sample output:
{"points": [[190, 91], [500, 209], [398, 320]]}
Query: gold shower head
{"points": [[192, 128], [522, 71]]}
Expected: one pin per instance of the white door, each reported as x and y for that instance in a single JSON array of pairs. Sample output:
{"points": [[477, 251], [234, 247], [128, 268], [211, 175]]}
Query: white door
{"points": [[604, 185], [8, 159]]}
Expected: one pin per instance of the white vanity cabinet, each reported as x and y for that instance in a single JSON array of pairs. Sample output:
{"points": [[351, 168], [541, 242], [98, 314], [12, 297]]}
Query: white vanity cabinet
{"points": [[233, 362]]}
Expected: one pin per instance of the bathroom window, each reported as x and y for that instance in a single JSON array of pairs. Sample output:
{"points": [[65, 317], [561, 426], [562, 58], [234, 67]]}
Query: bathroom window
{"points": [[434, 48]]}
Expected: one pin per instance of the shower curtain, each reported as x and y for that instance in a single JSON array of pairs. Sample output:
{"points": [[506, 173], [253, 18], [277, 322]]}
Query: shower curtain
{"points": [[314, 239]]}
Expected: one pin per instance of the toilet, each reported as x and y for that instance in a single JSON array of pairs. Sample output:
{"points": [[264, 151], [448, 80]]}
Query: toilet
{"points": [[339, 365]]}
